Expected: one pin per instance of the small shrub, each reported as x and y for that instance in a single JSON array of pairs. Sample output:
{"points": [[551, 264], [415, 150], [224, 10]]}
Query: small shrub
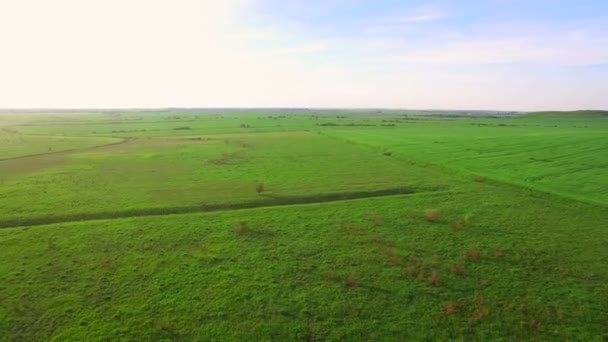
{"points": [[331, 275], [393, 257], [451, 308], [351, 282], [457, 226], [473, 254], [259, 188], [499, 253], [479, 179], [458, 269], [435, 261], [535, 325], [480, 311], [434, 279], [377, 220], [410, 270], [432, 215], [241, 229]]}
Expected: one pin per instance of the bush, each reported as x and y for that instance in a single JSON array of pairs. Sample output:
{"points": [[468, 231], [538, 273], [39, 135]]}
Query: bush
{"points": [[241, 229], [331, 275], [393, 257], [432, 215], [479, 179], [458, 269], [377, 220], [351, 282], [451, 308], [259, 188], [457, 226], [434, 279], [472, 254]]}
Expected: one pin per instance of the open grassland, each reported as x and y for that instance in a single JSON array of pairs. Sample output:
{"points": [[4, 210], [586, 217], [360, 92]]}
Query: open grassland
{"points": [[304, 226], [491, 262], [562, 156], [13, 144], [193, 172]]}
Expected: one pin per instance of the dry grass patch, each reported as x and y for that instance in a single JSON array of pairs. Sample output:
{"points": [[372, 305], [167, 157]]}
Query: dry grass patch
{"points": [[377, 220], [473, 254], [260, 188], [479, 179], [331, 276], [458, 226], [458, 269], [351, 282], [434, 279], [499, 253], [241, 229], [451, 308], [393, 257], [432, 215]]}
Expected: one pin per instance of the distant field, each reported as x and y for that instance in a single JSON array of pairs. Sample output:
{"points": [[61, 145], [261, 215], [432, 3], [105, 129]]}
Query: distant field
{"points": [[306, 226], [195, 171], [560, 156], [18, 145]]}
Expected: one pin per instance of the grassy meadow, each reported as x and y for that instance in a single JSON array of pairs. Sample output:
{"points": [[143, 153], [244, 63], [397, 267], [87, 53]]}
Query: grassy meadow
{"points": [[303, 225]]}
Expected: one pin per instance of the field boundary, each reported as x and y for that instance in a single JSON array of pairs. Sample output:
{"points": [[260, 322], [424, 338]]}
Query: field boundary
{"points": [[121, 141], [463, 172], [266, 200]]}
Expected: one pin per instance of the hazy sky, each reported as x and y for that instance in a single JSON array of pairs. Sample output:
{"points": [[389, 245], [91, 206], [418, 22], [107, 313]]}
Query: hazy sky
{"points": [[477, 54]]}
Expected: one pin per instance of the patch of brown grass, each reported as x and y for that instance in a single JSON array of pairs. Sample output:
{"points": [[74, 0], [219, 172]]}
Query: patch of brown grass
{"points": [[458, 226], [241, 229], [499, 253], [535, 325], [434, 279], [432, 215], [479, 179], [480, 311], [377, 220], [410, 270], [393, 257], [352, 281], [331, 276], [458, 269], [473, 254], [451, 308], [259, 188]]}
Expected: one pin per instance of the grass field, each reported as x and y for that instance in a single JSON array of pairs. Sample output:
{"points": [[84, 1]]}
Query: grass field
{"points": [[307, 225]]}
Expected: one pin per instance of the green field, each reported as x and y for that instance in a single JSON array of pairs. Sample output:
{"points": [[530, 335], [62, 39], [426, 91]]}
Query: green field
{"points": [[303, 225]]}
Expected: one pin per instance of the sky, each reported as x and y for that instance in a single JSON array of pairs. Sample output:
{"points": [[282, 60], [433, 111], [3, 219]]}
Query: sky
{"points": [[445, 54]]}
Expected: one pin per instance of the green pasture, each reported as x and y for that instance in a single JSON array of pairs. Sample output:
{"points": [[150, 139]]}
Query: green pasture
{"points": [[303, 225]]}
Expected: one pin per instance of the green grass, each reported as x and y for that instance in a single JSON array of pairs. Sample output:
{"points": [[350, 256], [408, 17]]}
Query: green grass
{"points": [[572, 114], [548, 155], [454, 227], [285, 275], [159, 173], [13, 144]]}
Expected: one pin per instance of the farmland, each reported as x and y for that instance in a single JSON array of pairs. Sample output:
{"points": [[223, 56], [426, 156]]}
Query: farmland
{"points": [[303, 225]]}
